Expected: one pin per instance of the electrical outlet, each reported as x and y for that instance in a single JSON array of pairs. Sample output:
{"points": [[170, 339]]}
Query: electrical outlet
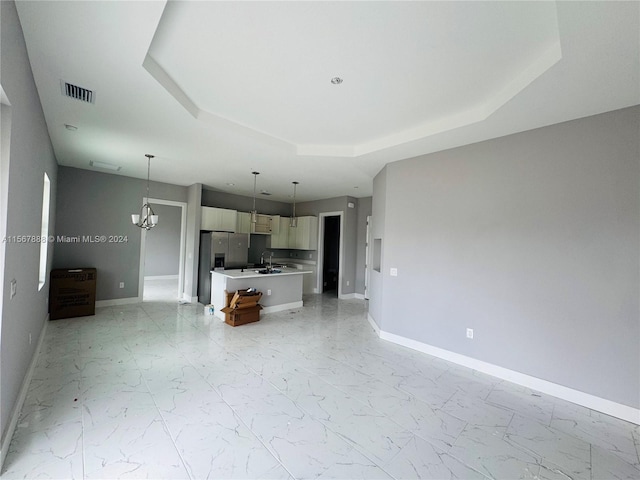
{"points": [[347, 283], [121, 284], [469, 332], [393, 272], [14, 288], [268, 292]]}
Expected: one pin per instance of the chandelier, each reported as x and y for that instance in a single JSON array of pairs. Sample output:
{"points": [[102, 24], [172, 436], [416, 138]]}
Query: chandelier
{"points": [[293, 221], [254, 212], [147, 219]]}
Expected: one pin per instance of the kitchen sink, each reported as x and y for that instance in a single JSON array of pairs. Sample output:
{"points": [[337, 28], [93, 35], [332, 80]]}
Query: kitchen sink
{"points": [[269, 271]]}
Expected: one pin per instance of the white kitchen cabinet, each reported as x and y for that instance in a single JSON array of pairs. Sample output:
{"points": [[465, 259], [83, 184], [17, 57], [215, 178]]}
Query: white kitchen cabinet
{"points": [[275, 224], [262, 225], [244, 222], [280, 239], [218, 219], [305, 235]]}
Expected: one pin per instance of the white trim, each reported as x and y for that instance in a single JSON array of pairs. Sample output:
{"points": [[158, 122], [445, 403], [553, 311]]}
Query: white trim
{"points": [[360, 296], [117, 301], [367, 260], [319, 278], [22, 395], [373, 324], [603, 405], [181, 253], [189, 299], [161, 277], [282, 307], [143, 250], [347, 296]]}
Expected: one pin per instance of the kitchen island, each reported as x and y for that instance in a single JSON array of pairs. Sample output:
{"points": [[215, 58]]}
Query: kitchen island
{"points": [[285, 288]]}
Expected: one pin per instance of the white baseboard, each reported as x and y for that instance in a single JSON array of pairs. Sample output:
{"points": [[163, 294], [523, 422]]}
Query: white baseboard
{"points": [[347, 296], [603, 405], [280, 308], [117, 301], [161, 277], [374, 324], [351, 296], [187, 298], [22, 395]]}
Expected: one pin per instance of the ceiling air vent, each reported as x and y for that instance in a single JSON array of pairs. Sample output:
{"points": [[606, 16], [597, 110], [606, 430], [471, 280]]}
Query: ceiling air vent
{"points": [[79, 93]]}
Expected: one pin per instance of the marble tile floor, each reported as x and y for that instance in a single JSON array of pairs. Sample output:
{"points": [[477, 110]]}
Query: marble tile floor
{"points": [[160, 290], [158, 390]]}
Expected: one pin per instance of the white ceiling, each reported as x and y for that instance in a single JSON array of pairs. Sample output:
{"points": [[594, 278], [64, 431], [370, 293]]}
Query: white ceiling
{"points": [[218, 89]]}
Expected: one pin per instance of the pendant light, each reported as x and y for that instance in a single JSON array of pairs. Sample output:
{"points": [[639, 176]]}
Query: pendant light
{"points": [[254, 212], [147, 219], [293, 221]]}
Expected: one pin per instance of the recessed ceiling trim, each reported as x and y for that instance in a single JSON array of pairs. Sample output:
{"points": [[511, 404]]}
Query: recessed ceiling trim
{"points": [[478, 113], [157, 72], [511, 88], [499, 82]]}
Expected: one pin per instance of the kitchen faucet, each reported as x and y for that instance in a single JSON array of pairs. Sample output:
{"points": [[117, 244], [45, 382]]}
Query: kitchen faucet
{"points": [[270, 257]]}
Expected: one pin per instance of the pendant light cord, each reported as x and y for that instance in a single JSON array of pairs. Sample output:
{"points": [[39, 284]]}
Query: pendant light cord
{"points": [[148, 174]]}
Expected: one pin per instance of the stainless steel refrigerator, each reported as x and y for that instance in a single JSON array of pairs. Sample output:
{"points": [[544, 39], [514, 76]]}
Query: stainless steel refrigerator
{"points": [[219, 250]]}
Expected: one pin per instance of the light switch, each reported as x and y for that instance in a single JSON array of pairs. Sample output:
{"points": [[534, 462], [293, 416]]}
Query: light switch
{"points": [[14, 288], [393, 272]]}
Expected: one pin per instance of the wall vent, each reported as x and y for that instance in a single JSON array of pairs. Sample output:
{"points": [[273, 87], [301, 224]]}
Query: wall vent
{"points": [[79, 93]]}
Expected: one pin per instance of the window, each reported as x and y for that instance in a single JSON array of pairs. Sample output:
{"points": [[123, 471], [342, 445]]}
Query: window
{"points": [[44, 232]]}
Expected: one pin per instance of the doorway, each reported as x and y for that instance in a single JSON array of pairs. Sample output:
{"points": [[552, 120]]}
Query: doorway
{"points": [[162, 254], [330, 248], [331, 255]]}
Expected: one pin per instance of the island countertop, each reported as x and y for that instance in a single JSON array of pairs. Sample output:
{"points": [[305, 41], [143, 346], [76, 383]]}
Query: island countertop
{"points": [[253, 273], [281, 291]]}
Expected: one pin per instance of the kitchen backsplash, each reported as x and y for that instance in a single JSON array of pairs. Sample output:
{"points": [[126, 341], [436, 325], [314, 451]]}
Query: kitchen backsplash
{"points": [[258, 245]]}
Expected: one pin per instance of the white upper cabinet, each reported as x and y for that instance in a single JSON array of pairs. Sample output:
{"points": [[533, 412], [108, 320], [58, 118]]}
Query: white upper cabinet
{"points": [[244, 222], [280, 239], [305, 235], [263, 224], [219, 219]]}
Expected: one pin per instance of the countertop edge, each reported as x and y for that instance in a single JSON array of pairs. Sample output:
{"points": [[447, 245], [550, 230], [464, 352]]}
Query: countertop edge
{"points": [[248, 274]]}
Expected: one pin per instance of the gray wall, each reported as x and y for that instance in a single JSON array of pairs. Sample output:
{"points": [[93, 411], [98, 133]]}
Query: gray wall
{"points": [[378, 222], [162, 245], [31, 155], [194, 218], [533, 241], [350, 227], [95, 203], [364, 209]]}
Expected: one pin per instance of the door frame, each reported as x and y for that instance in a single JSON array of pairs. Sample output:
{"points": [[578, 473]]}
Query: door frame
{"points": [[320, 279], [181, 253], [367, 260]]}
